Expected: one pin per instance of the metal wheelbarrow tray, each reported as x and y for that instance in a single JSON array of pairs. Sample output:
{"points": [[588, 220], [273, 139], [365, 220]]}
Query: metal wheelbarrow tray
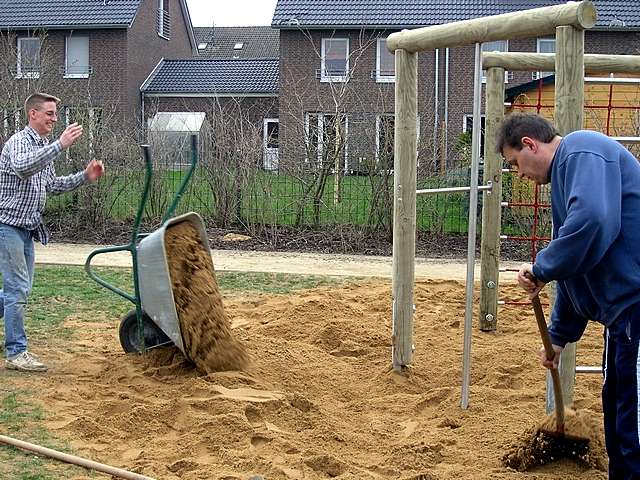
{"points": [[156, 291], [154, 321]]}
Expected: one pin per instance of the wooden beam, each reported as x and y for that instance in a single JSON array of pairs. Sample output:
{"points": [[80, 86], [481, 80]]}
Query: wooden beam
{"points": [[491, 204], [522, 24], [569, 116], [546, 62], [404, 206]]}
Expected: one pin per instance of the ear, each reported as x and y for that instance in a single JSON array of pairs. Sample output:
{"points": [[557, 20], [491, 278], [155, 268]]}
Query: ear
{"points": [[529, 143]]}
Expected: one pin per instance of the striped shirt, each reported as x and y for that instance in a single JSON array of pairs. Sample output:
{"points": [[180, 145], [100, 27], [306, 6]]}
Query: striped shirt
{"points": [[27, 174]]}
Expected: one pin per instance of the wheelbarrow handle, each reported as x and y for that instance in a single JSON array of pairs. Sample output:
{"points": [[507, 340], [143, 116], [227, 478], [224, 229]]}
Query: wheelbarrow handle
{"points": [[104, 283]]}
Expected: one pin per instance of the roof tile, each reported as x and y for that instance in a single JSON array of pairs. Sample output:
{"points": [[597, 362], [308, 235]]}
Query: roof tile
{"points": [[219, 77], [291, 14], [33, 14]]}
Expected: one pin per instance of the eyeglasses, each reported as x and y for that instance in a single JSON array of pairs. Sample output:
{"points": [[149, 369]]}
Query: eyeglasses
{"points": [[48, 113]]}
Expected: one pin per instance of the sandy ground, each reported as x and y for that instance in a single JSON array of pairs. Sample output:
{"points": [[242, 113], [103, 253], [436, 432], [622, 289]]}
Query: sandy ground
{"points": [[319, 399], [275, 262]]}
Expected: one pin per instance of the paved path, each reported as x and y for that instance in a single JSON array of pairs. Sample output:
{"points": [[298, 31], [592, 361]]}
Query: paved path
{"points": [[274, 262]]}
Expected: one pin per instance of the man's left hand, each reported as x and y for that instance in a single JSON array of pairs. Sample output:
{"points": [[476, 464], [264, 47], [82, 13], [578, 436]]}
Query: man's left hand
{"points": [[528, 281], [94, 170]]}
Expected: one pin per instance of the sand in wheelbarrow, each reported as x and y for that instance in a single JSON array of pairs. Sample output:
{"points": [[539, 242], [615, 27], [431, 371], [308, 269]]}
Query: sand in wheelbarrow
{"points": [[206, 331]]}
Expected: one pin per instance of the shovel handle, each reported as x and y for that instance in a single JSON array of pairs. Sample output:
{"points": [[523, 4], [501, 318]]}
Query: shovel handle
{"points": [[555, 375], [550, 352]]}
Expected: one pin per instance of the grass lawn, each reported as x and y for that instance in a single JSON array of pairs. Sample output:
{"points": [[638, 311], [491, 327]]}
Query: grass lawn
{"points": [[266, 198], [60, 291]]}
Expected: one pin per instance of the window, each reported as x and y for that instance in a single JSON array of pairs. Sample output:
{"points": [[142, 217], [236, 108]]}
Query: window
{"points": [[11, 121], [326, 138], [164, 20], [385, 132], [468, 128], [202, 46], [238, 46], [76, 62], [28, 57], [544, 45], [497, 46], [91, 120], [335, 60], [385, 63]]}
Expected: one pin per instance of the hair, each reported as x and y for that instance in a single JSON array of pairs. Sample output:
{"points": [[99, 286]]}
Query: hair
{"points": [[35, 101], [518, 125]]}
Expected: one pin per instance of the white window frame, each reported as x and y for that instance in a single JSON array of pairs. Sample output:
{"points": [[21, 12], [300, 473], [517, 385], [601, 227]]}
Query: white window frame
{"points": [[380, 78], [161, 14], [266, 149], [19, 73], [265, 135], [334, 78], [66, 59], [320, 130], [538, 75], [506, 49]]}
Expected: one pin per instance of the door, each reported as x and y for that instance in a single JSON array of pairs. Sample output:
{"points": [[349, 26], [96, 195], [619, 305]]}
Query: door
{"points": [[270, 142]]}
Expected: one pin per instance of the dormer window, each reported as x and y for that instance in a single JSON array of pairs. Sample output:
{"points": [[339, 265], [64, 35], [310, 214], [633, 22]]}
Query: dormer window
{"points": [[164, 20], [238, 46]]}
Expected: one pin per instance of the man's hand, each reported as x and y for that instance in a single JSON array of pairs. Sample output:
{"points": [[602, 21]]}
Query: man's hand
{"points": [[557, 350], [94, 170], [528, 281], [70, 135]]}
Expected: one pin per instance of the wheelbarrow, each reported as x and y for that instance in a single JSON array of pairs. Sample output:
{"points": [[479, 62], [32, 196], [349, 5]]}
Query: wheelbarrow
{"points": [[154, 321]]}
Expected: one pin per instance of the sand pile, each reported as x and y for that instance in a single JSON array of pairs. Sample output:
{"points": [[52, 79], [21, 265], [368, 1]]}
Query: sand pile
{"points": [[318, 400], [206, 331]]}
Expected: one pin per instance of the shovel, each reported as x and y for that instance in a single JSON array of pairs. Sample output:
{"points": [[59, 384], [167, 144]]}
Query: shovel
{"points": [[548, 444]]}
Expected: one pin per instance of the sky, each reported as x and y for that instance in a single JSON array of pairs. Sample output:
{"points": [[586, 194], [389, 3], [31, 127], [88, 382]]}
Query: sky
{"points": [[231, 13]]}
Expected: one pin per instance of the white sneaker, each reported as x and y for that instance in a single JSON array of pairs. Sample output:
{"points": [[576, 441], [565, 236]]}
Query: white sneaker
{"points": [[25, 362]]}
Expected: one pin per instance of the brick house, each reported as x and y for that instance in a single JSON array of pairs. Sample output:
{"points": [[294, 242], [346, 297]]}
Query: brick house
{"points": [[97, 53], [232, 85], [334, 64], [232, 95]]}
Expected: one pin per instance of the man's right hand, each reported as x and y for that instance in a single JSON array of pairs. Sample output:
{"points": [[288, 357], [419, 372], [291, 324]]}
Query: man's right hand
{"points": [[70, 135]]}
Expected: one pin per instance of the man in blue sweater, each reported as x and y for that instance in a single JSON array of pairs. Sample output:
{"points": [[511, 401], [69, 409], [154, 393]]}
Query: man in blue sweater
{"points": [[594, 257]]}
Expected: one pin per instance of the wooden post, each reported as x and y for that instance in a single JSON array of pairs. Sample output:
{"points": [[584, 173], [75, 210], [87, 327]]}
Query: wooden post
{"points": [[491, 205], [569, 114], [522, 24], [404, 206]]}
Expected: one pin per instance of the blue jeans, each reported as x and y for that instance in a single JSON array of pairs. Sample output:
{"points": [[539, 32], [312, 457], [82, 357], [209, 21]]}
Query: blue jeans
{"points": [[17, 259]]}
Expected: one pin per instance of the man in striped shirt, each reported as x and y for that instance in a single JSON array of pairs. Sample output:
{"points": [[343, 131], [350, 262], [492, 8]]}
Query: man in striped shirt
{"points": [[27, 174]]}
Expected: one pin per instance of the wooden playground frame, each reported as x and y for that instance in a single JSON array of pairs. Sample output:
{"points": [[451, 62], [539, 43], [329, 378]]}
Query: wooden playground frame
{"points": [[568, 21]]}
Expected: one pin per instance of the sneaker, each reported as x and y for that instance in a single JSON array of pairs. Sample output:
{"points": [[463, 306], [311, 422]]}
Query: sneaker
{"points": [[25, 362]]}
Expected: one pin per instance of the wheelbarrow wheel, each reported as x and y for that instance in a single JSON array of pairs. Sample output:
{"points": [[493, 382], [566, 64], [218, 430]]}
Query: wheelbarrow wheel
{"points": [[153, 335]]}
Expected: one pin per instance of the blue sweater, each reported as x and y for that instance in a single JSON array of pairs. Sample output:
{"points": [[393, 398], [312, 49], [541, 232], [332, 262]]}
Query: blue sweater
{"points": [[595, 251]]}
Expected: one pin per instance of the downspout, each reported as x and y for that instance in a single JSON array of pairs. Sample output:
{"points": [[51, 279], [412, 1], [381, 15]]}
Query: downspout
{"points": [[143, 127], [445, 156], [436, 116]]}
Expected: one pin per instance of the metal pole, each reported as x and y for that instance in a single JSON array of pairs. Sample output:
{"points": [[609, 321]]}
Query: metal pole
{"points": [[482, 188], [471, 243]]}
